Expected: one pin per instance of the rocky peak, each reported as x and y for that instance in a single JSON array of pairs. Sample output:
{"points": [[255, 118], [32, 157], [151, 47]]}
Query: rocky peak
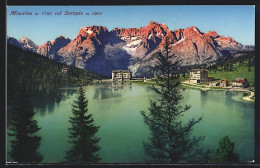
{"points": [[48, 43], [227, 42], [152, 23], [155, 29], [98, 34], [45, 48], [92, 31], [213, 34], [191, 31], [28, 44], [51, 48], [230, 39], [179, 34], [13, 41], [61, 40], [195, 29], [25, 40], [122, 32], [188, 33]]}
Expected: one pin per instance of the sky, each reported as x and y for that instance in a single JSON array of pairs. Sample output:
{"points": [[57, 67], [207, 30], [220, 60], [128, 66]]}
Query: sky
{"points": [[237, 21]]}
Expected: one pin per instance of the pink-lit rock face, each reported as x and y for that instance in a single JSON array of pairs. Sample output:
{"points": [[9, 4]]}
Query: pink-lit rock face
{"points": [[51, 48], [227, 42], [28, 44], [99, 50], [213, 34], [153, 32], [194, 47]]}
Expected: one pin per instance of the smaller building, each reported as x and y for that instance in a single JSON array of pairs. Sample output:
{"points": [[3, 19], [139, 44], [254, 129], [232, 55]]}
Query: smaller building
{"points": [[121, 75], [223, 83], [198, 76], [240, 82]]}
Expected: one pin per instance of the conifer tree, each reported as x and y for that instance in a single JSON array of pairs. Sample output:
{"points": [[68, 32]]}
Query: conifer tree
{"points": [[82, 133], [225, 151], [170, 140], [23, 130]]}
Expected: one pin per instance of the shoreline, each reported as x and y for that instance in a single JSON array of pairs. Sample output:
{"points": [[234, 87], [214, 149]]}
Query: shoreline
{"points": [[248, 98], [206, 87], [186, 84]]}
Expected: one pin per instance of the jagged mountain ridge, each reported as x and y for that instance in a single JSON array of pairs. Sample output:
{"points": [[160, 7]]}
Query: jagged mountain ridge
{"points": [[99, 50], [51, 48], [28, 44]]}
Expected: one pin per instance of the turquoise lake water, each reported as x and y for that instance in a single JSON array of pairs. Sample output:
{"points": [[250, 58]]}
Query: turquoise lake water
{"points": [[122, 129]]}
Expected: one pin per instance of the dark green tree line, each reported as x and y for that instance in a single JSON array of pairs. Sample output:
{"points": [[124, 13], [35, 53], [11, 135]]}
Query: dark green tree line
{"points": [[82, 133], [171, 139], [43, 76], [23, 130]]}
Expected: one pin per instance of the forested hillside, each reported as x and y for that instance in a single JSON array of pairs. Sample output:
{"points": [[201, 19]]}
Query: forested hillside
{"points": [[42, 77], [238, 67]]}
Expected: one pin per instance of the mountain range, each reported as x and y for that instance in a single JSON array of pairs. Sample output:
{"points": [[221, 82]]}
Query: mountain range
{"points": [[101, 51]]}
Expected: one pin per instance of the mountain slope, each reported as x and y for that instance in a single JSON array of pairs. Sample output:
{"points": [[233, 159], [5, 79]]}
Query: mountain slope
{"points": [[28, 44], [41, 76], [50, 49]]}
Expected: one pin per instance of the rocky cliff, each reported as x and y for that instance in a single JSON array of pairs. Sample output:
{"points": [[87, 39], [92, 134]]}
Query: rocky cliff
{"points": [[99, 50]]}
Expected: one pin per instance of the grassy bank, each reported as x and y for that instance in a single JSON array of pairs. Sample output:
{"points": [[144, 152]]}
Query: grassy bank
{"points": [[238, 72]]}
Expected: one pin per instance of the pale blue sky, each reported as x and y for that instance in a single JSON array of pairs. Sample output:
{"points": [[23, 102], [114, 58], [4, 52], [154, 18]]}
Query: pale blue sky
{"points": [[237, 21]]}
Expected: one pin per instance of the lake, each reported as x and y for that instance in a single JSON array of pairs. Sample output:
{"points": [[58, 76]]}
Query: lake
{"points": [[122, 129]]}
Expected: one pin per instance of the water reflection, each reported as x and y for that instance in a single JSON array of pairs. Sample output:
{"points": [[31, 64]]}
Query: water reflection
{"points": [[104, 93], [203, 97], [67, 92], [42, 106], [70, 92], [111, 90], [50, 107], [120, 85]]}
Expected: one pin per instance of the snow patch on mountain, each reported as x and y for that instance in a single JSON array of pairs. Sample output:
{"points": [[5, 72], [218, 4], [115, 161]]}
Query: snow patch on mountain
{"points": [[134, 38], [150, 36], [89, 31], [181, 40], [131, 47]]}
